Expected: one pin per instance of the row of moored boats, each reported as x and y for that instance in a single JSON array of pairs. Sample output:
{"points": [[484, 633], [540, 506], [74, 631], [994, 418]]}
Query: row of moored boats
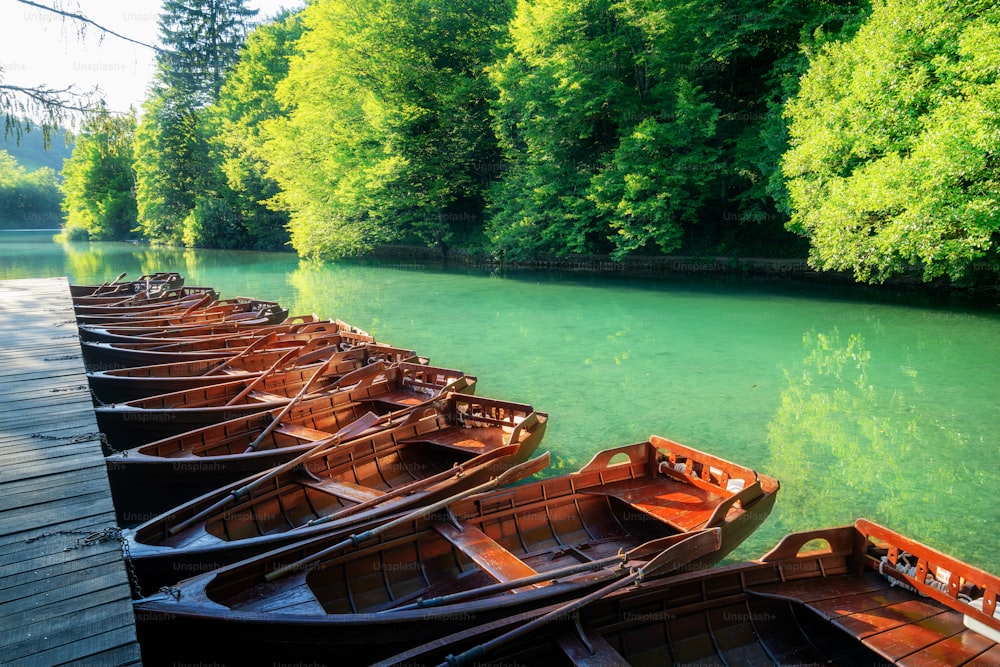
{"points": [[291, 490]]}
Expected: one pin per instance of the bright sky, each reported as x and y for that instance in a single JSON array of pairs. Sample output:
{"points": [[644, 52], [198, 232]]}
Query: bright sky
{"points": [[38, 47]]}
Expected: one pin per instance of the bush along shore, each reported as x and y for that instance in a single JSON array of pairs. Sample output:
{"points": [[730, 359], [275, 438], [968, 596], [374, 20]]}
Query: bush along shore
{"points": [[791, 270]]}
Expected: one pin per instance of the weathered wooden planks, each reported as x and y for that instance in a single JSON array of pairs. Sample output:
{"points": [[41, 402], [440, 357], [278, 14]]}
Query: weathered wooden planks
{"points": [[64, 593]]}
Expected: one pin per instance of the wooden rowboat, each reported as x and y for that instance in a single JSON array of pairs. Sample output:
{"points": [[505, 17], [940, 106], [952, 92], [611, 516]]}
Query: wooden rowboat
{"points": [[207, 308], [150, 479], [227, 325], [138, 304], [866, 596], [109, 356], [464, 561], [141, 421], [168, 279], [126, 384], [328, 491]]}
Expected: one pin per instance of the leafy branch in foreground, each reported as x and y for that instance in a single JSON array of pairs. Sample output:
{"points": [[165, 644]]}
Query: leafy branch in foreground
{"points": [[25, 107]]}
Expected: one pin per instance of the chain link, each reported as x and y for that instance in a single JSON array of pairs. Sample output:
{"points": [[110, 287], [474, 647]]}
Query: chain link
{"points": [[96, 537], [83, 437]]}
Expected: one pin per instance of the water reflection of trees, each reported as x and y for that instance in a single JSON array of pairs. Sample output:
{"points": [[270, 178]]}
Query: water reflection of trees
{"points": [[843, 446], [95, 262]]}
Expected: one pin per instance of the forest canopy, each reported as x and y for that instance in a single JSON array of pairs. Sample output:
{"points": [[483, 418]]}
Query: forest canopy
{"points": [[864, 134]]}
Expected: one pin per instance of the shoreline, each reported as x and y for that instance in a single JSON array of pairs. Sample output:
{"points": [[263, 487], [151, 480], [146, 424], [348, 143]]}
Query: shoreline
{"points": [[788, 271]]}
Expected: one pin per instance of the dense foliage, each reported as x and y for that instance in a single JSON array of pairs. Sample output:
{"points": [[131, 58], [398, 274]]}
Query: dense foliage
{"points": [[182, 195], [895, 157], [865, 133], [28, 199], [387, 123], [98, 183], [246, 100]]}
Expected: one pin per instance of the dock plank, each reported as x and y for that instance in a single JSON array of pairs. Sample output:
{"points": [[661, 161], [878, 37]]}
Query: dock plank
{"points": [[63, 599]]}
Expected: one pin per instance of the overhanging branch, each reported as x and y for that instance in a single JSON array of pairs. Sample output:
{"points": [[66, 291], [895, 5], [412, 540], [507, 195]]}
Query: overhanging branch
{"points": [[83, 19]]}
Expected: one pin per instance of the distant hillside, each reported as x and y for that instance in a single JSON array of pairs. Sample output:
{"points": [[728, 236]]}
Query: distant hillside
{"points": [[29, 151]]}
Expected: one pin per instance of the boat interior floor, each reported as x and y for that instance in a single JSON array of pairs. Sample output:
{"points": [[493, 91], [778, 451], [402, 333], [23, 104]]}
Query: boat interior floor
{"points": [[683, 506], [900, 626]]}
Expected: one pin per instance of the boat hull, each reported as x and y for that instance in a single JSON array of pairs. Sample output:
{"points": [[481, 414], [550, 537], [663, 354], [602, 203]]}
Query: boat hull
{"points": [[571, 521], [840, 604]]}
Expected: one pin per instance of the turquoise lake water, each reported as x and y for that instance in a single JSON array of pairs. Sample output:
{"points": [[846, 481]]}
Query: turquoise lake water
{"points": [[859, 405]]}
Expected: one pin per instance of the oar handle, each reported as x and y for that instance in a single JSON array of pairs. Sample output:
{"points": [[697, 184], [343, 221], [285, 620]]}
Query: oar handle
{"points": [[196, 305]]}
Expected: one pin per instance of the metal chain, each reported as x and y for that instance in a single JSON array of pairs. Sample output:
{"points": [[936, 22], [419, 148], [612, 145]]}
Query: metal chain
{"points": [[83, 437], [90, 537], [130, 565], [98, 402], [111, 448]]}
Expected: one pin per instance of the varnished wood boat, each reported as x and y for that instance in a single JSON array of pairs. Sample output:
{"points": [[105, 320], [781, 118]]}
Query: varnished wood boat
{"points": [[142, 303], [109, 356], [858, 595], [330, 491], [141, 421], [135, 382], [204, 307], [466, 561], [160, 280], [268, 313], [150, 479]]}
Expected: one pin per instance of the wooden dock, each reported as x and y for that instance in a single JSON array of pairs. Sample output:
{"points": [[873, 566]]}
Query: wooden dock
{"points": [[64, 592]]}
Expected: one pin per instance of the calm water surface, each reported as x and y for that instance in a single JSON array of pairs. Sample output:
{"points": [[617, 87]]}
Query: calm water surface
{"points": [[860, 407]]}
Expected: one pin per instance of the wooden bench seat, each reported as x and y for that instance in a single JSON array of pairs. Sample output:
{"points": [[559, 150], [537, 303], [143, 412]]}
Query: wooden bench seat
{"points": [[346, 490], [457, 437], [266, 397], [400, 397], [301, 432], [485, 552]]}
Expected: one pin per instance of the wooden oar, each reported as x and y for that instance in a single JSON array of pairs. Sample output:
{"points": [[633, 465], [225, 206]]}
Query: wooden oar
{"points": [[260, 378], [508, 476], [344, 380], [672, 558], [107, 284], [457, 471], [351, 430], [369, 371], [266, 340], [236, 494], [288, 407], [197, 304], [652, 547]]}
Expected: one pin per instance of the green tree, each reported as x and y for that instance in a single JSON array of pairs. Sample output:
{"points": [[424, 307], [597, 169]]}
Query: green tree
{"points": [[387, 129], [639, 126], [181, 194], [895, 138], [170, 160], [609, 138], [27, 198], [246, 100], [201, 41], [98, 183]]}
